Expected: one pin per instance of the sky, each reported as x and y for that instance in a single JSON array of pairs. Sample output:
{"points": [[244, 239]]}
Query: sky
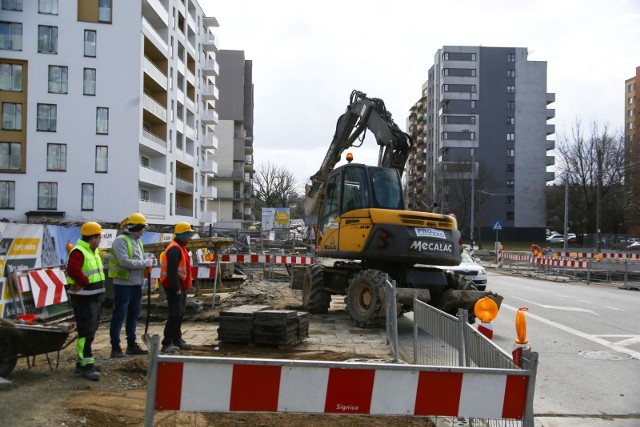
{"points": [[308, 57]]}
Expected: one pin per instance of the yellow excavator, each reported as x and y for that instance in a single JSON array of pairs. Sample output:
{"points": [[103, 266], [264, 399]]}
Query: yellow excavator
{"points": [[364, 235]]}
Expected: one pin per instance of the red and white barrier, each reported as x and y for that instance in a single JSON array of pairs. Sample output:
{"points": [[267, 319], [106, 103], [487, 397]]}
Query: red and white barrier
{"points": [[227, 385], [46, 285], [273, 259]]}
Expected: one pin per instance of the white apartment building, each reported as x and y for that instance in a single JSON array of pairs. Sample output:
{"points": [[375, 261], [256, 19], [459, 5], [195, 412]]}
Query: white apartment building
{"points": [[108, 107]]}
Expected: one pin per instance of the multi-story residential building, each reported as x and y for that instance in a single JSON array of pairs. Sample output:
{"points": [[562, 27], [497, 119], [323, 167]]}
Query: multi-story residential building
{"points": [[486, 130], [632, 152], [107, 110], [235, 132], [416, 170]]}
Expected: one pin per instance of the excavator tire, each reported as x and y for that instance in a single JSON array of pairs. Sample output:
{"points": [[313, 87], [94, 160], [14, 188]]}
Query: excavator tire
{"points": [[365, 298], [8, 358], [315, 298]]}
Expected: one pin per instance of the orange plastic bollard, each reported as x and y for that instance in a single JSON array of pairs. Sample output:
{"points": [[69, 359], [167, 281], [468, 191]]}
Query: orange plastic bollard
{"points": [[521, 342]]}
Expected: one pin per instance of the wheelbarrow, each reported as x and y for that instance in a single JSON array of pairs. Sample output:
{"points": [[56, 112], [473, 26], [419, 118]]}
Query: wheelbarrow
{"points": [[30, 339]]}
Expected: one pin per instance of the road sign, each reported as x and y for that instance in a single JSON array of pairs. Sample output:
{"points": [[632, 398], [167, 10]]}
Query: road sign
{"points": [[497, 226]]}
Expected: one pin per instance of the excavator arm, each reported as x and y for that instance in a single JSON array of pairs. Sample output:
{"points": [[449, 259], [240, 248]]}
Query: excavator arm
{"points": [[362, 113]]}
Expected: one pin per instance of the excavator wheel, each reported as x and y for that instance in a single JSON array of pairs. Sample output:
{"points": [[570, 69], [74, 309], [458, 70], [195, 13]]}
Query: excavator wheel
{"points": [[365, 298], [315, 299], [8, 358]]}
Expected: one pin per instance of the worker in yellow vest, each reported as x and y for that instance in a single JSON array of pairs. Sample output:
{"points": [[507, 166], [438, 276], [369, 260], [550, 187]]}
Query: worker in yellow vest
{"points": [[85, 276]]}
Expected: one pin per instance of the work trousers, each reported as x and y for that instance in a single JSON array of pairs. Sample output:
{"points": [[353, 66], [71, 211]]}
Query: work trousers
{"points": [[177, 305], [86, 310], [127, 301]]}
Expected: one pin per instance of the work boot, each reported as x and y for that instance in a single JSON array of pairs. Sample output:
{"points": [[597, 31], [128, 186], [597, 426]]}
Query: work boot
{"points": [[182, 345], [136, 350], [78, 370], [116, 353], [90, 373], [169, 349]]}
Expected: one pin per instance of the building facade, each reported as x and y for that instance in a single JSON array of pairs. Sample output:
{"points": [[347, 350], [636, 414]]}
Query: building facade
{"points": [[235, 132], [108, 109], [632, 152], [484, 139]]}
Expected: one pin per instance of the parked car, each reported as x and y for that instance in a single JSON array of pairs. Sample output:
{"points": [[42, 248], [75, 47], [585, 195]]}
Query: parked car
{"points": [[559, 238], [634, 246], [472, 269]]}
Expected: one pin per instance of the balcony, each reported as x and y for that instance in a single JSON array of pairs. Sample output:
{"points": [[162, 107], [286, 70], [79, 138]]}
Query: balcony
{"points": [[210, 92], [550, 176], [151, 34], [190, 132], [184, 211], [210, 21], [158, 8], [210, 68], [152, 106], [152, 177], [208, 217], [210, 42], [551, 129], [248, 145], [551, 160], [209, 141], [152, 209], [551, 144], [155, 73], [551, 113], [154, 142], [209, 117], [235, 175], [209, 192], [230, 195], [551, 97], [184, 186], [209, 167]]}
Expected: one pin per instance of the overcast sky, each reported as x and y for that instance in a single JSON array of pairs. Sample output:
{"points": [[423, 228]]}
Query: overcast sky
{"points": [[309, 56]]}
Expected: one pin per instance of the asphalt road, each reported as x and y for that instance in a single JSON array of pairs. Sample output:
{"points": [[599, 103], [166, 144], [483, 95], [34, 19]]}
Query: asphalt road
{"points": [[588, 340]]}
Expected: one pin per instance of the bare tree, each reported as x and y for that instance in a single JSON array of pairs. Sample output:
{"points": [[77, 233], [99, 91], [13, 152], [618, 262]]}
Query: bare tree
{"points": [[273, 186], [592, 165]]}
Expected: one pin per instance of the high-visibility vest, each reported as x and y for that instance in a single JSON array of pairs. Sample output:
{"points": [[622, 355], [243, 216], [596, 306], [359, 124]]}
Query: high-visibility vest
{"points": [[184, 267], [92, 268], [116, 271]]}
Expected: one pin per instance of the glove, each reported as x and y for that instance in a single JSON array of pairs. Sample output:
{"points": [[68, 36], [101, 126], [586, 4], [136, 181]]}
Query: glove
{"points": [[149, 262]]}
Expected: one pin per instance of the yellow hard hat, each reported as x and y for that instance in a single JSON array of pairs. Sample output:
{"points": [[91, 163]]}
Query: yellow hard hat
{"points": [[137, 219], [90, 228], [183, 227]]}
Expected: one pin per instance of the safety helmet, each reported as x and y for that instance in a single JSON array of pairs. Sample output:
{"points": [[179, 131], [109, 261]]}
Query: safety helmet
{"points": [[137, 219], [183, 227], [91, 228]]}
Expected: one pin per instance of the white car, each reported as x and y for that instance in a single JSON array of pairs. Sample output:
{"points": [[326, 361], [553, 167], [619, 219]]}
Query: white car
{"points": [[471, 269]]}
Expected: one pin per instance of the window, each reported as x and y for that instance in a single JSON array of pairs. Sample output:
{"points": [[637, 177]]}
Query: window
{"points": [[7, 194], [510, 216], [511, 73], [510, 168], [511, 89], [510, 200], [89, 81], [86, 197], [144, 162], [11, 116], [104, 10], [10, 156], [102, 158], [12, 5], [49, 7], [510, 183], [472, 105], [511, 152], [511, 120], [58, 79], [102, 121], [511, 137], [47, 117], [90, 43], [145, 195], [47, 195], [511, 57], [57, 157], [511, 105], [11, 77], [47, 39], [10, 35]]}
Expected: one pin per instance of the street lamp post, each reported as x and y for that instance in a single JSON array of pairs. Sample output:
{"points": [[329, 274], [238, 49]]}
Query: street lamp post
{"points": [[473, 192]]}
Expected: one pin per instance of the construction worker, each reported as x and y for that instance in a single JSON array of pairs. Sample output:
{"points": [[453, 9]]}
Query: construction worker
{"points": [[127, 267], [175, 278], [85, 276]]}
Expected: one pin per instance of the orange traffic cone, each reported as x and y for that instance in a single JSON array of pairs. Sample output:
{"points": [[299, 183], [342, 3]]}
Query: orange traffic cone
{"points": [[521, 342], [486, 310]]}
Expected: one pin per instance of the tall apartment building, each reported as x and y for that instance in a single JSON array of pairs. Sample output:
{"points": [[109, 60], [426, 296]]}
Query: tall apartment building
{"points": [[416, 188], [632, 151], [235, 133], [107, 108], [486, 128]]}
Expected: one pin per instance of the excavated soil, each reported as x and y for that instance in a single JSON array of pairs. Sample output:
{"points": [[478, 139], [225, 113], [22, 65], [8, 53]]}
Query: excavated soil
{"points": [[47, 396]]}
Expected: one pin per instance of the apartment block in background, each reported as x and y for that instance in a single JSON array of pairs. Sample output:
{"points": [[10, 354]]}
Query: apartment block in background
{"points": [[632, 151], [108, 108]]}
